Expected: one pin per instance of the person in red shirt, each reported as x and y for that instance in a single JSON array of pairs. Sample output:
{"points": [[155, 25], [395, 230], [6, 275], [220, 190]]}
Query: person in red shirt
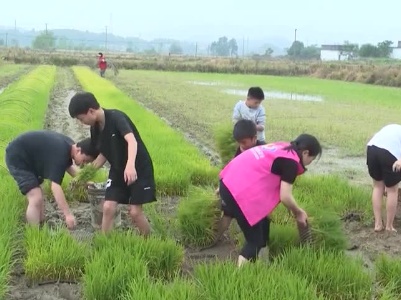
{"points": [[102, 64]]}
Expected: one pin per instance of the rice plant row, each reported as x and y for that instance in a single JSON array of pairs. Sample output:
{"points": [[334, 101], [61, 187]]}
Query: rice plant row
{"points": [[177, 163], [23, 106]]}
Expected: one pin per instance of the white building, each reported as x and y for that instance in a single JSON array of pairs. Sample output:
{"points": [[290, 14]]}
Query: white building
{"points": [[334, 53], [396, 51]]}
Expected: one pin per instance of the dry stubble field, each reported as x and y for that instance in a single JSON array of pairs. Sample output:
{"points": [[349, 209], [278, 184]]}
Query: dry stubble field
{"points": [[342, 115]]}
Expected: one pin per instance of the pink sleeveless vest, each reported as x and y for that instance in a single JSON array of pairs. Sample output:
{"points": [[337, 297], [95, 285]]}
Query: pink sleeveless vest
{"points": [[249, 179]]}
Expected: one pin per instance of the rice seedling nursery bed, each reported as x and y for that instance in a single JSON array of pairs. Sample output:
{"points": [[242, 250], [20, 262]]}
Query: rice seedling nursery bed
{"points": [[53, 263]]}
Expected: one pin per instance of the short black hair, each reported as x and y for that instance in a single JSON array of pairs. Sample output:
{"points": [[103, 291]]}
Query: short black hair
{"points": [[88, 148], [81, 102], [256, 93], [306, 142], [100, 53], [244, 129]]}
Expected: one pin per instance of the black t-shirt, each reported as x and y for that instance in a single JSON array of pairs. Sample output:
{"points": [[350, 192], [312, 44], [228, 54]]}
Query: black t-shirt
{"points": [[286, 168], [45, 153], [111, 143]]}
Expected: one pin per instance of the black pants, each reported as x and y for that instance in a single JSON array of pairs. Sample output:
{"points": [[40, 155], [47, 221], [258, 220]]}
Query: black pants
{"points": [[256, 236]]}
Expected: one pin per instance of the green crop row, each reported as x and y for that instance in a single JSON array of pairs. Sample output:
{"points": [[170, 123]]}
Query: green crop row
{"points": [[177, 163], [23, 105]]}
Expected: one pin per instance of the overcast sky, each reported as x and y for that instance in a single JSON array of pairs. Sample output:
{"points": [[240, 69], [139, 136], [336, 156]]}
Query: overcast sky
{"points": [[331, 22]]}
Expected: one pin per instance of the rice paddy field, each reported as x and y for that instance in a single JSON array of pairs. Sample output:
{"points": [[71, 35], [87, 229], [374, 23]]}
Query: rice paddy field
{"points": [[183, 119]]}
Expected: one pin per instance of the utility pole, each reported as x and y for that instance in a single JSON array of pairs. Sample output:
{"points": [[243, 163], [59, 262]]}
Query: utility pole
{"points": [[295, 39], [6, 39], [196, 50], [15, 24], [105, 44], [247, 45], [46, 28]]}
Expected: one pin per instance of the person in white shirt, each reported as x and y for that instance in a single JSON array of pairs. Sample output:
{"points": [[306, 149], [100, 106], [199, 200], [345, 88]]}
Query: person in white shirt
{"points": [[384, 166], [251, 109]]}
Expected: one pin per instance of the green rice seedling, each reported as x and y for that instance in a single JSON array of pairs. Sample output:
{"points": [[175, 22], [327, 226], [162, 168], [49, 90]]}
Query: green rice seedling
{"points": [[169, 149], [387, 272], [163, 257], [160, 290], [282, 237], [224, 280], [388, 292], [335, 275], [11, 208], [326, 228], [225, 143], [162, 224], [198, 215], [53, 254], [332, 191], [110, 271], [76, 189]]}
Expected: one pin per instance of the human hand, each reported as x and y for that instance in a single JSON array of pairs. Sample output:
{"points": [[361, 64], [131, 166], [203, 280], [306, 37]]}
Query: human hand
{"points": [[397, 166], [302, 217], [130, 175], [70, 221]]}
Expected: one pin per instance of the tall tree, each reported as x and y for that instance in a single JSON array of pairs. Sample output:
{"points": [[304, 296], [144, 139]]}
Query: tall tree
{"points": [[44, 41]]}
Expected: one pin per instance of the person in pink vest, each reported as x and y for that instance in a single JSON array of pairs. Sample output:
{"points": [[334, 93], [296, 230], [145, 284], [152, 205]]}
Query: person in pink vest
{"points": [[257, 180]]}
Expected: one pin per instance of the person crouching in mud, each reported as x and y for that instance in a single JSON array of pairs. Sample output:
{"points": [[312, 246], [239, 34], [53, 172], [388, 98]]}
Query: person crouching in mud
{"points": [[254, 183]]}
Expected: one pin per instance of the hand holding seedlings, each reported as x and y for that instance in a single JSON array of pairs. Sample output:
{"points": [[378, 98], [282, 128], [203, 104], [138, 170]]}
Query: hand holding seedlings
{"points": [[70, 221], [397, 166]]}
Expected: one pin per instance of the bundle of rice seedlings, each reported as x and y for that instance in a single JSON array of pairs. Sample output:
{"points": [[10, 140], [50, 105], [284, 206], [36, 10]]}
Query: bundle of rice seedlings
{"points": [[77, 187], [162, 256], [282, 237], [53, 254], [225, 143], [198, 215], [224, 280], [388, 272], [336, 275], [324, 229], [177, 289]]}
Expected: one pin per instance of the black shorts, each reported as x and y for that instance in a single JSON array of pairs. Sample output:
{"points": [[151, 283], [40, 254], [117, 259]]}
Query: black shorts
{"points": [[25, 179], [257, 234], [142, 191], [380, 166]]}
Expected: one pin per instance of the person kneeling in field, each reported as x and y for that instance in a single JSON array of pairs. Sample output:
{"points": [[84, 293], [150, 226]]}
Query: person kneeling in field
{"points": [[253, 183], [131, 177], [245, 134], [37, 155], [383, 158]]}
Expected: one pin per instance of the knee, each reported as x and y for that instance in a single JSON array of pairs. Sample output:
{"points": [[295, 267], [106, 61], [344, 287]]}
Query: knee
{"points": [[35, 198], [135, 211], [109, 208], [392, 190]]}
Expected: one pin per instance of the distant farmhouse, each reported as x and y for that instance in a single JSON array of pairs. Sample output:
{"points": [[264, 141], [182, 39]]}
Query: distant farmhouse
{"points": [[396, 53], [335, 52]]}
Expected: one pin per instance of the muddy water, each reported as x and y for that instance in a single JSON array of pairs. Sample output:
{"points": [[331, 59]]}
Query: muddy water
{"points": [[278, 95]]}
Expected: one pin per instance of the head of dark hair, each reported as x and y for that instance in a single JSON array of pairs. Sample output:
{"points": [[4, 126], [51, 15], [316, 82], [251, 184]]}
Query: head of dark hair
{"points": [[306, 142], [81, 102], [244, 129], [256, 93], [88, 148], [100, 53]]}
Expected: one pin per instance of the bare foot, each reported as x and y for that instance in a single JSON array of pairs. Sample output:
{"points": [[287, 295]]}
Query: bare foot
{"points": [[379, 228], [391, 229]]}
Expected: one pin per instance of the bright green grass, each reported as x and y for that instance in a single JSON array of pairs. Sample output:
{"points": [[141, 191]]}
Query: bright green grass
{"points": [[349, 115], [9, 70]]}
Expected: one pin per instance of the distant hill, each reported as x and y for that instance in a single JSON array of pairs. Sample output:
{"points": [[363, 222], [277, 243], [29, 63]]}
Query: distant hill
{"points": [[77, 39]]}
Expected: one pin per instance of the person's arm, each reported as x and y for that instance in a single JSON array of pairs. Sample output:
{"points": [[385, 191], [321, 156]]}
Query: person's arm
{"points": [[261, 119], [287, 198], [236, 113], [72, 170], [60, 198], [99, 161]]}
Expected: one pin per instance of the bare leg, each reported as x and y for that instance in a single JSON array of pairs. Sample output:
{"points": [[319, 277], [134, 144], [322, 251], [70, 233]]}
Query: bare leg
{"points": [[35, 206], [377, 198], [391, 206], [109, 209], [43, 210], [139, 219]]}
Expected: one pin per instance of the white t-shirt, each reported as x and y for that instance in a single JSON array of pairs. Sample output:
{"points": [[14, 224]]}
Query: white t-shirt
{"points": [[258, 115], [388, 138]]}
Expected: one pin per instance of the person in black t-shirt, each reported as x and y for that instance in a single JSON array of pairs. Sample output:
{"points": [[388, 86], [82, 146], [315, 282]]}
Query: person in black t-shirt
{"points": [[245, 134], [37, 155], [131, 177]]}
